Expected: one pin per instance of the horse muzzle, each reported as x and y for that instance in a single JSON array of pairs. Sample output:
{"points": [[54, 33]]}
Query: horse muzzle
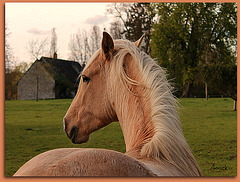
{"points": [[73, 133]]}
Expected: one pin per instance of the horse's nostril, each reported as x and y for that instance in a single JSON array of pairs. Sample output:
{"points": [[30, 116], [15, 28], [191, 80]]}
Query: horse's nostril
{"points": [[72, 132]]}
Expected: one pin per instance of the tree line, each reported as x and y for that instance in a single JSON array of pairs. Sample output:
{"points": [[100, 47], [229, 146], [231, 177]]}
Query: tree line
{"points": [[195, 42], [189, 38]]}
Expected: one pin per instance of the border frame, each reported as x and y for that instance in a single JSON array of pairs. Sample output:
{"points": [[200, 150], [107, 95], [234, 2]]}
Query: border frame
{"points": [[90, 179]]}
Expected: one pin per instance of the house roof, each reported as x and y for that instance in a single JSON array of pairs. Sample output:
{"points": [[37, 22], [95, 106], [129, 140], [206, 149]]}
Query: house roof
{"points": [[58, 67]]}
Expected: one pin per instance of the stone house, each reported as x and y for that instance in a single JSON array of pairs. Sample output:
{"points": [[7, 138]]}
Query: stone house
{"points": [[49, 78]]}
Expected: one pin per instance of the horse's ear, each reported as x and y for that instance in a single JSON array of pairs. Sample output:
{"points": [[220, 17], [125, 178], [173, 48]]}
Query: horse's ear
{"points": [[139, 41], [107, 45]]}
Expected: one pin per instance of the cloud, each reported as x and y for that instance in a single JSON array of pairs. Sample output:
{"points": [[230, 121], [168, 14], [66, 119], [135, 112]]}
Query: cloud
{"points": [[97, 19], [37, 31]]}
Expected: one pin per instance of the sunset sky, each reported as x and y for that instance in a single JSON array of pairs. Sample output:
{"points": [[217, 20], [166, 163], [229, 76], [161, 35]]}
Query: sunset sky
{"points": [[28, 21]]}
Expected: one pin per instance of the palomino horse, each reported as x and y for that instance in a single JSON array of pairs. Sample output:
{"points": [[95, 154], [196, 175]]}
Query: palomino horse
{"points": [[121, 83]]}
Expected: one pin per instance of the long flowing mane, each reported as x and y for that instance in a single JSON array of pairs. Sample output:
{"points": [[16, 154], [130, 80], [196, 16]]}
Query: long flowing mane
{"points": [[168, 143]]}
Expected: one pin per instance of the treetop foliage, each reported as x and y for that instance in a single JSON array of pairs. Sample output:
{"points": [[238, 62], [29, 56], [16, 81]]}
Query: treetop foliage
{"points": [[189, 35]]}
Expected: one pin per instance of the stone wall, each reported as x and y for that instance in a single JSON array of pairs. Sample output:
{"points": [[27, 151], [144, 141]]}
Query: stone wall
{"points": [[36, 82]]}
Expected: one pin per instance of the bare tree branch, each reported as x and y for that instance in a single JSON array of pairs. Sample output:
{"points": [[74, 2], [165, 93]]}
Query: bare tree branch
{"points": [[37, 48], [83, 44]]}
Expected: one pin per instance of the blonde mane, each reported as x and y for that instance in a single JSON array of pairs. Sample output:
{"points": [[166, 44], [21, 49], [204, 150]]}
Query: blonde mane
{"points": [[168, 143]]}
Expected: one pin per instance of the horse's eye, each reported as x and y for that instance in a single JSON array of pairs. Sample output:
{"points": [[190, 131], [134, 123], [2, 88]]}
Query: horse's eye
{"points": [[85, 79]]}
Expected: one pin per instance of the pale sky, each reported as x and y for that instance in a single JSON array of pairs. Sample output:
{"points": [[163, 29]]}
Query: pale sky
{"points": [[27, 21]]}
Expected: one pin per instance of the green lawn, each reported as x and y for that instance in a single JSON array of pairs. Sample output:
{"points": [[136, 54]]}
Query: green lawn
{"points": [[210, 128]]}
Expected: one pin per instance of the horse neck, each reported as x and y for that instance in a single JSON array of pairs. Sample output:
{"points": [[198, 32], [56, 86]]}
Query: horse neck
{"points": [[133, 111], [144, 139], [135, 122]]}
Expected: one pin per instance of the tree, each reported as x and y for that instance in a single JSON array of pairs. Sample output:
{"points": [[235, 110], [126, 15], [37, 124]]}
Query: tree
{"points": [[11, 79], [137, 19], [82, 45], [95, 39], [41, 47], [116, 29], [53, 47], [8, 51], [186, 36], [121, 12], [37, 48], [224, 79], [76, 48]]}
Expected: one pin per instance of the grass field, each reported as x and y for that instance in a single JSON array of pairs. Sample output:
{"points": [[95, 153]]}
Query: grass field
{"points": [[210, 128]]}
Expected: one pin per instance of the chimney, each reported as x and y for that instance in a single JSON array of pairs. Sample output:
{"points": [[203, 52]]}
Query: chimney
{"points": [[55, 55]]}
